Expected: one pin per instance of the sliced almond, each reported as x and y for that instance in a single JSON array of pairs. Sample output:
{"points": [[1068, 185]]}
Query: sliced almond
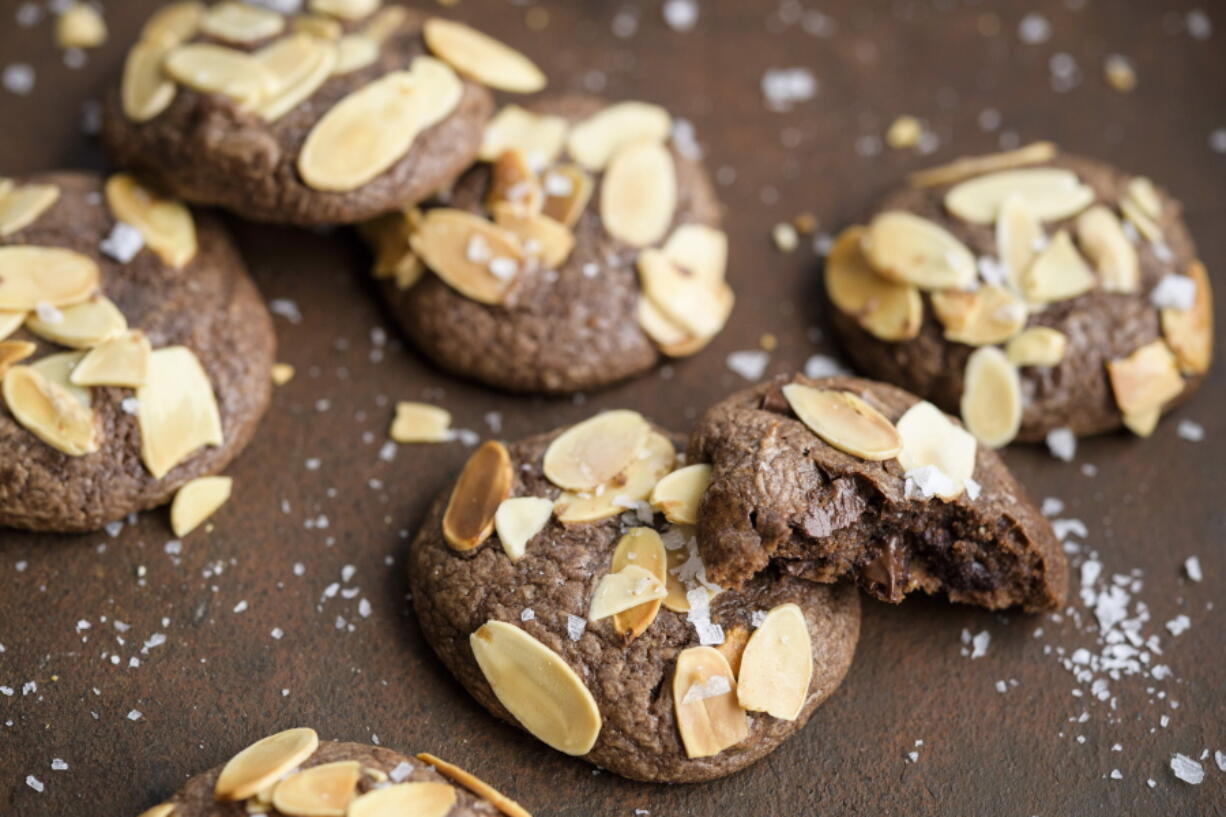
{"points": [[594, 141], [641, 547], [10, 322], [80, 26], [991, 397], [422, 799], [568, 189], [931, 438], [394, 258], [700, 250], [673, 340], [175, 23], [1143, 423], [49, 412], [733, 648], [318, 25], [353, 53], [1037, 346], [178, 411], [624, 490], [325, 790], [420, 423], [120, 361], [195, 502], [1115, 258], [21, 207], [709, 721], [593, 452], [482, 58], [1058, 274], [1019, 235], [514, 182], [385, 23], [30, 276], [538, 137], [845, 421], [699, 307], [1146, 380], [1143, 193], [906, 248], [475, 785], [979, 317], [483, 484], [626, 589], [540, 235], [1051, 193], [369, 130], [537, 687], [676, 600], [679, 494], [82, 325], [14, 351], [1188, 331], [1146, 226], [145, 90], [777, 665], [298, 64], [889, 310], [971, 166], [638, 195], [165, 223], [215, 69], [519, 519], [263, 763], [160, 810], [345, 9], [473, 256], [58, 368], [241, 23]]}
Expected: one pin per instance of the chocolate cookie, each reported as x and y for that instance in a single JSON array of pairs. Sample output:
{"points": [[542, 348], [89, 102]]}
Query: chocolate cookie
{"points": [[582, 252], [845, 478], [1028, 291], [331, 116], [295, 774], [135, 350], [584, 615]]}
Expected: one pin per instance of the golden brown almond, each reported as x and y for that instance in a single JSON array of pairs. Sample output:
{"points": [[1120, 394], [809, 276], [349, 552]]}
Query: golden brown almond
{"points": [[48, 411], [120, 361], [1145, 380], [594, 141], [1019, 234], [733, 648], [475, 785], [345, 9], [979, 317], [1190, 331], [518, 519], [298, 64], [21, 206], [196, 501], [889, 310], [175, 23], [241, 23], [699, 307], [971, 166], [679, 494], [13, 352], [777, 665], [700, 250], [263, 763], [548, 240], [325, 790], [420, 423], [1103, 241], [624, 490], [991, 397], [593, 452], [903, 247], [624, 590], [642, 547], [1037, 346], [1058, 274], [216, 69], [33, 276], [483, 485], [709, 717], [482, 58], [160, 810], [178, 411], [166, 224], [638, 194], [423, 799], [1051, 193], [10, 322], [473, 256], [845, 421], [80, 26], [673, 340], [80, 326], [538, 137], [512, 181], [145, 90]]}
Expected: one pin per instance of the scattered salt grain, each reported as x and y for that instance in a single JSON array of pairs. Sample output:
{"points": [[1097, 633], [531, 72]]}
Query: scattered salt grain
{"points": [[1179, 624], [1002, 687], [1219, 758], [47, 313], [575, 626], [400, 772], [1191, 566], [757, 618], [527, 614], [1034, 29], [1187, 769], [364, 608], [681, 15], [1062, 444], [18, 78], [823, 366], [1116, 774], [749, 364], [134, 715], [1052, 506], [1174, 291], [277, 633], [58, 765], [928, 481], [1198, 24], [241, 607], [34, 783], [1191, 431], [713, 687], [785, 87]]}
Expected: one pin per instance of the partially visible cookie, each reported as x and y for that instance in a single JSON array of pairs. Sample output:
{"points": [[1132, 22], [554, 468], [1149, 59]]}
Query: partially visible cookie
{"points": [[584, 250], [331, 116], [295, 774], [1028, 291], [135, 350], [842, 478], [585, 616]]}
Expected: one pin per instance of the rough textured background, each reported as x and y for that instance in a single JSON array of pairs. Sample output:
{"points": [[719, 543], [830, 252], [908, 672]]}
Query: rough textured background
{"points": [[221, 679]]}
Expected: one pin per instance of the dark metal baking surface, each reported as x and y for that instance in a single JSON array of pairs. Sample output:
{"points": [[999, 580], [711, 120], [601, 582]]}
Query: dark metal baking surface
{"points": [[292, 609]]}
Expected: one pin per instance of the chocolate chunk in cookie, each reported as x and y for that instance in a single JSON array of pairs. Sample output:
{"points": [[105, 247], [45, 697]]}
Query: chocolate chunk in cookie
{"points": [[134, 348], [559, 580], [583, 250], [846, 478], [1028, 291], [334, 115], [295, 774]]}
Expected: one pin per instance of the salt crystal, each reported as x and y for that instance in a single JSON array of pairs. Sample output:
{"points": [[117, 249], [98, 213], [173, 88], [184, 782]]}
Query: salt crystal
{"points": [[287, 308], [347, 572], [709, 633], [1062, 444], [973, 489], [1191, 566], [130, 405], [1179, 624], [1219, 758], [47, 313], [1187, 769], [1116, 774], [1052, 506], [1064, 527], [785, 87], [134, 715], [387, 452], [277, 633], [1002, 687], [1199, 25], [1174, 291], [685, 139], [575, 626], [34, 783], [991, 270], [58, 765], [1034, 29], [625, 23], [364, 608], [823, 366], [757, 618], [980, 644], [928, 481], [400, 772], [241, 606], [527, 614], [18, 78], [749, 364], [1090, 571], [1191, 431], [681, 15], [713, 687], [503, 268], [123, 243]]}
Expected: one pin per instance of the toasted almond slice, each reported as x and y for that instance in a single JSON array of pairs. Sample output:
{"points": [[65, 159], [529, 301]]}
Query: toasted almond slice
{"points": [[146, 91], [673, 340], [1143, 424], [644, 548], [537, 687], [513, 181], [165, 223], [318, 25], [845, 421], [709, 717], [1115, 258], [178, 411], [353, 53], [6, 186], [475, 785], [568, 189], [82, 325], [483, 485], [420, 423], [594, 141], [931, 438], [80, 26], [10, 322], [119, 361], [160, 810], [58, 369], [626, 589], [372, 128], [299, 64], [679, 494], [30, 276], [1051, 193], [215, 69], [325, 790], [174, 24], [1037, 346], [345, 9], [195, 502], [700, 250], [628, 487], [889, 310], [263, 763], [733, 647], [394, 258], [1145, 225], [21, 207], [596, 450], [979, 317], [48, 411], [241, 23], [676, 600], [1019, 234], [422, 799], [971, 166], [638, 196], [482, 58], [519, 519], [777, 665], [1146, 380], [473, 256], [906, 248], [991, 397], [699, 307], [1058, 274], [282, 373], [14, 351], [539, 234], [1188, 331], [1143, 193], [385, 23], [538, 137]]}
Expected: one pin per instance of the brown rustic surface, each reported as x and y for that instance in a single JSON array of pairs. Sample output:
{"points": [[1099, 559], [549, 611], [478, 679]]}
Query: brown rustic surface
{"points": [[221, 679]]}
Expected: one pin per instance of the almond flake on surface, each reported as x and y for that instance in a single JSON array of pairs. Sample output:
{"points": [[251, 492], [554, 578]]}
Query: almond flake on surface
{"points": [[904, 132], [568, 189], [712, 723], [593, 452], [1144, 195], [166, 224], [241, 23], [908, 249], [673, 340], [58, 369], [733, 648], [21, 206], [447, 241], [196, 501], [700, 250], [420, 423], [1019, 234], [30, 276], [345, 9], [389, 236], [49, 411], [552, 240], [540, 138], [174, 23], [1138, 218], [419, 799], [642, 547], [483, 484], [82, 325], [845, 421], [475, 785], [514, 182], [215, 69], [145, 90], [777, 665], [624, 490], [1143, 382], [318, 25], [282, 373], [594, 141], [1058, 274], [482, 58], [678, 495], [1037, 346], [160, 810], [353, 53], [623, 590], [263, 763], [638, 194], [178, 411], [518, 519], [991, 397], [119, 361], [537, 687], [889, 310], [14, 351], [298, 65], [80, 26], [930, 438], [699, 307], [325, 790], [1051, 193], [971, 166], [987, 315], [1189, 332], [1115, 258]]}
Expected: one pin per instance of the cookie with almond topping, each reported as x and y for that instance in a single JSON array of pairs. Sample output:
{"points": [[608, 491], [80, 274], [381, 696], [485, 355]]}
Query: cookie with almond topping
{"points": [[1027, 291], [583, 250], [560, 582]]}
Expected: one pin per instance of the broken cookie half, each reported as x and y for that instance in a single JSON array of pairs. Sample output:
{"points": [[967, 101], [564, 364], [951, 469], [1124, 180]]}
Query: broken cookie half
{"points": [[843, 477]]}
